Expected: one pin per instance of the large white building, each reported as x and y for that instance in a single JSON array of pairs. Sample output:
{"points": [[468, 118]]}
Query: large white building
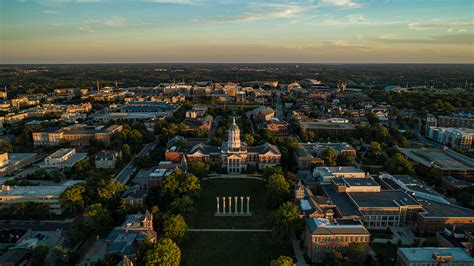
{"points": [[234, 155], [63, 158], [48, 195]]}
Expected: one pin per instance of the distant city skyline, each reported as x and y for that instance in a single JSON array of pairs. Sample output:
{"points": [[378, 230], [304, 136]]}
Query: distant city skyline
{"points": [[224, 31]]}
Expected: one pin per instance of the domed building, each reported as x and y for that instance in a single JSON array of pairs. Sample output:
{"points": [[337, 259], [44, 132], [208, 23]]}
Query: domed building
{"points": [[234, 155]]}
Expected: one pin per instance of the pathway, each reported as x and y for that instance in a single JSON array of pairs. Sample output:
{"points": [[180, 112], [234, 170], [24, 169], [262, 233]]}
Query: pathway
{"points": [[229, 230], [298, 252], [224, 176]]}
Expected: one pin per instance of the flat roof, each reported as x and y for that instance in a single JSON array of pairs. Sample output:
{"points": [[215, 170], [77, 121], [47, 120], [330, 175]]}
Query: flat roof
{"points": [[60, 153], [445, 160], [382, 199], [327, 125], [439, 209], [342, 201], [426, 254], [34, 191], [365, 181]]}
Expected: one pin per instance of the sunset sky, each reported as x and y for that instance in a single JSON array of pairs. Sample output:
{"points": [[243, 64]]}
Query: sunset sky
{"points": [[324, 31]]}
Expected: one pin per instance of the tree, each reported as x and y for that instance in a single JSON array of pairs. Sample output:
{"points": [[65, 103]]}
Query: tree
{"points": [[329, 156], [345, 160], [126, 152], [61, 255], [199, 169], [175, 228], [335, 258], [269, 171], [287, 219], [165, 252], [249, 139], [110, 189], [97, 216], [283, 261], [39, 255], [400, 165], [72, 199], [183, 205], [356, 253], [278, 190]]}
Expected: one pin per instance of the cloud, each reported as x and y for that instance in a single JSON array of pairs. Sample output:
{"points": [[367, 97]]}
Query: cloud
{"points": [[115, 22], [340, 3], [175, 2], [87, 29], [437, 24], [350, 20], [458, 39], [262, 11], [50, 12]]}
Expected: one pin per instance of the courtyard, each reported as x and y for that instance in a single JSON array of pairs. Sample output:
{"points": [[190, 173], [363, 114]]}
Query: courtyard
{"points": [[227, 247]]}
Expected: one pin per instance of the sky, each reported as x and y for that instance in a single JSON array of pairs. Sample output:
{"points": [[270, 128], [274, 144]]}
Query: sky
{"points": [[229, 31]]}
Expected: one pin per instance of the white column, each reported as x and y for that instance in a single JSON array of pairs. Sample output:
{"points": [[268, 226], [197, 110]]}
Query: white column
{"points": [[223, 203], [235, 201], [241, 205], [230, 204], [217, 199], [248, 205]]}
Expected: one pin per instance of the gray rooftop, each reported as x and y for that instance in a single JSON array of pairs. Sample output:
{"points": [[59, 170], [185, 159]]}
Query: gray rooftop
{"points": [[426, 254], [383, 199]]}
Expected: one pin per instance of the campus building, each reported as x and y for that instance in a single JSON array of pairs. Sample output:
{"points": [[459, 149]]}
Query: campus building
{"points": [[48, 195], [79, 135], [63, 158], [324, 174], [433, 256], [309, 154], [322, 236], [12, 162], [234, 155], [448, 161]]}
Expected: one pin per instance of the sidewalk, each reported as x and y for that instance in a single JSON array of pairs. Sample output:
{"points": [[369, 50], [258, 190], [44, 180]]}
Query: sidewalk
{"points": [[297, 250], [229, 230]]}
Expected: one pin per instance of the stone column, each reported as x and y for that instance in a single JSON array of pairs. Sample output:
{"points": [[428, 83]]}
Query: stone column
{"points": [[223, 203], [235, 202], [230, 204], [241, 205], [248, 205], [218, 210]]}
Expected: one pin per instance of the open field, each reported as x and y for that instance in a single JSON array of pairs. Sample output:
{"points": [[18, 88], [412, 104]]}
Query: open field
{"points": [[232, 248], [206, 206]]}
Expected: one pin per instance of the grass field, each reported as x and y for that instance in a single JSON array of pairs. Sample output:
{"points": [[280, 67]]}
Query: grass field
{"points": [[206, 206], [232, 248]]}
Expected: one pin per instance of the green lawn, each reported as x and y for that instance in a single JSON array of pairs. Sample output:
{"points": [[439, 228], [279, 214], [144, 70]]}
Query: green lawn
{"points": [[231, 248], [206, 206]]}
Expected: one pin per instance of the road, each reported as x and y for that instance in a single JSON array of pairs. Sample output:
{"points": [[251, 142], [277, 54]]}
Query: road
{"points": [[36, 225], [130, 168], [215, 125]]}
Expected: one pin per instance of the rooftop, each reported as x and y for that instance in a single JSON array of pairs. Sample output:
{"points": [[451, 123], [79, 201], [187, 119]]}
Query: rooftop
{"points": [[426, 254], [383, 199], [35, 191], [445, 160]]}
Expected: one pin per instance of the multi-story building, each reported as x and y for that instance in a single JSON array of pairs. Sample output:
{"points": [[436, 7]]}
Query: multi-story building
{"points": [[324, 174], [364, 200], [456, 138], [124, 240], [63, 158], [10, 163], [309, 154], [48, 195], [332, 129], [449, 162], [234, 155], [106, 159], [279, 128], [321, 236], [79, 135], [433, 256]]}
